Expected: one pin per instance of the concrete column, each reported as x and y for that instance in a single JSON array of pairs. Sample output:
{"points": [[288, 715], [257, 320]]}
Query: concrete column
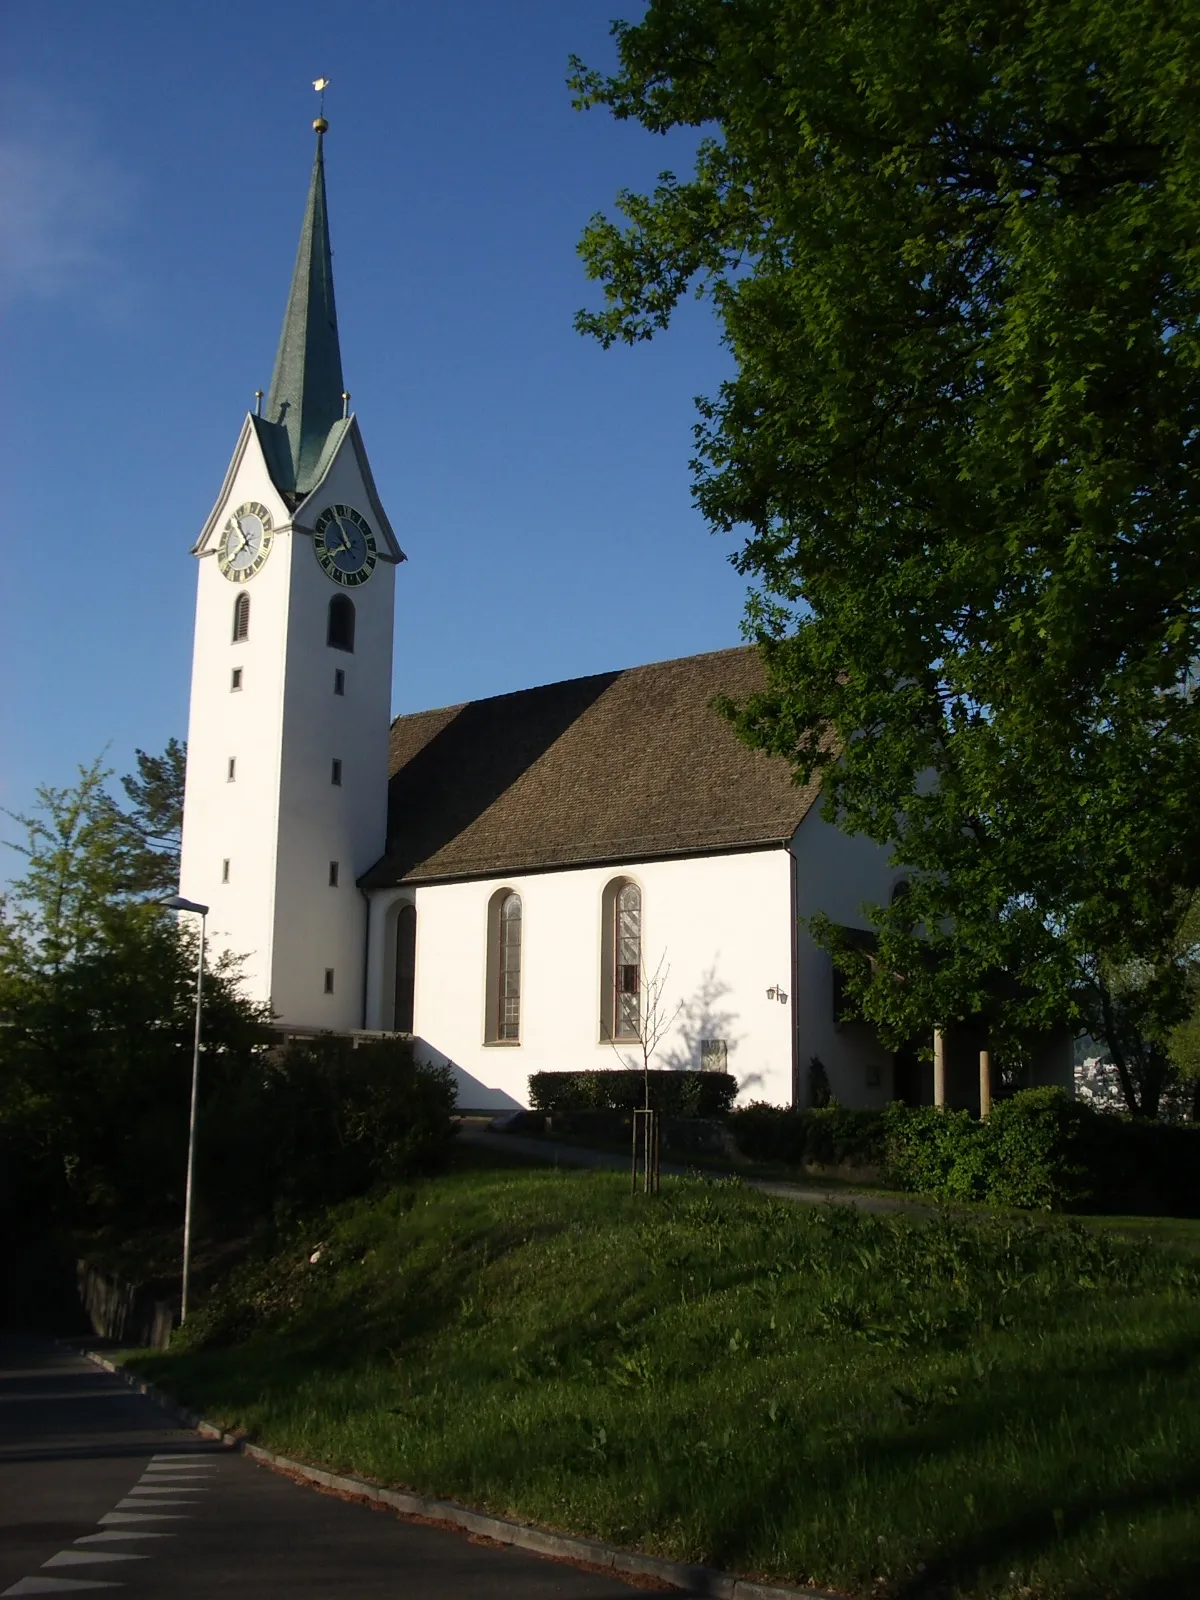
{"points": [[985, 1083], [939, 1067]]}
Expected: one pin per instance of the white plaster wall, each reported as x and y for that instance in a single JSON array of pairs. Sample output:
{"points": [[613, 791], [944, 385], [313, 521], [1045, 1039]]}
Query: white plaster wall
{"points": [[722, 921], [836, 873], [238, 820], [319, 927], [282, 821]]}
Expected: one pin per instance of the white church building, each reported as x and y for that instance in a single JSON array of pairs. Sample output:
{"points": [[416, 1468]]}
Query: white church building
{"points": [[502, 879]]}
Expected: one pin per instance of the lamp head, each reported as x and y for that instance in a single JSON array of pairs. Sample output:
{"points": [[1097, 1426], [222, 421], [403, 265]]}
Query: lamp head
{"points": [[177, 903]]}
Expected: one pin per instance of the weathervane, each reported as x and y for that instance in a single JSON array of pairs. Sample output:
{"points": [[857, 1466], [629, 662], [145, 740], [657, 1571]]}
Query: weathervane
{"points": [[320, 85]]}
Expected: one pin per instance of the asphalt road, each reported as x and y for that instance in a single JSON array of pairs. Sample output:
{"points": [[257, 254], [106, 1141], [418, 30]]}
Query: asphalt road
{"points": [[100, 1490]]}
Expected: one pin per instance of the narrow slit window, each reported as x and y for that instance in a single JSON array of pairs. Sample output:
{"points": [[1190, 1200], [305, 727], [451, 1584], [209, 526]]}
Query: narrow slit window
{"points": [[225, 870], [235, 678], [333, 874], [328, 980], [241, 618], [335, 772], [340, 634], [232, 773], [339, 681]]}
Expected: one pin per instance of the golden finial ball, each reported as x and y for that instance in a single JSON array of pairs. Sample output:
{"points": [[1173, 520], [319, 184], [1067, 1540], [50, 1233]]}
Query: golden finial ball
{"points": [[320, 125]]}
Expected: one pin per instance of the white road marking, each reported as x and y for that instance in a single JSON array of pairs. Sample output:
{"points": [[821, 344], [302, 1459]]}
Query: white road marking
{"points": [[139, 1516], [165, 1488], [183, 1455], [78, 1558], [136, 1503], [112, 1535], [59, 1585]]}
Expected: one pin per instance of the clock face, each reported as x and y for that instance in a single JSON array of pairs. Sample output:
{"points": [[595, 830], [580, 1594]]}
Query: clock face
{"points": [[345, 545], [245, 542]]}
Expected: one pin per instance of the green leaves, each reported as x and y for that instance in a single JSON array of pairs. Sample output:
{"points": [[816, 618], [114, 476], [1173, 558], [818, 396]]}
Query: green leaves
{"points": [[953, 255]]}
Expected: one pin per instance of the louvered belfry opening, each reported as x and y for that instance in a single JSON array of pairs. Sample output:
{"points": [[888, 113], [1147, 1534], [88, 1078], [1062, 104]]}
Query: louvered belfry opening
{"points": [[241, 618]]}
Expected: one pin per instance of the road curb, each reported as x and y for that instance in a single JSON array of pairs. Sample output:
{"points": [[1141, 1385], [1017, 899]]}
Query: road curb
{"points": [[702, 1581]]}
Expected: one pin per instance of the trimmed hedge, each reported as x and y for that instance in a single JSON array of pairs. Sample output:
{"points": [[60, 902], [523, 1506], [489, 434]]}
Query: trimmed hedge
{"points": [[822, 1135], [1039, 1150], [675, 1094]]}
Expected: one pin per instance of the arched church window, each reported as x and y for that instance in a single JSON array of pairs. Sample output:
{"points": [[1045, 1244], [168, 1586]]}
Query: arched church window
{"points": [[510, 968], [241, 618], [621, 961], [629, 962], [341, 623], [406, 967], [502, 1022]]}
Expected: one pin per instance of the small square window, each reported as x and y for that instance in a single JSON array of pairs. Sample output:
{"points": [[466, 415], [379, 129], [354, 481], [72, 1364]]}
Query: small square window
{"points": [[328, 980], [225, 870], [333, 874], [336, 773], [235, 678], [339, 681], [232, 773]]}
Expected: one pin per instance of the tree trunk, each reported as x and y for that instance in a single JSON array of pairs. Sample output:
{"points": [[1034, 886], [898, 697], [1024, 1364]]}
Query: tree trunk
{"points": [[1128, 1088]]}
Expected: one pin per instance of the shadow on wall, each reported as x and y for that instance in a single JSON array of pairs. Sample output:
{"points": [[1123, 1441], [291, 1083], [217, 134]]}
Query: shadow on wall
{"points": [[470, 1094], [703, 1021]]}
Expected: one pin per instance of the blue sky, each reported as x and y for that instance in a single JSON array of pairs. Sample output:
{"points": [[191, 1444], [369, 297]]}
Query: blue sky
{"points": [[156, 160]]}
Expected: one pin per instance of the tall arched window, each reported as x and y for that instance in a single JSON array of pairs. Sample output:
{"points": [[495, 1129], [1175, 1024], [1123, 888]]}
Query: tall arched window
{"points": [[629, 962], [509, 1012], [241, 618], [502, 1018], [406, 967], [341, 623], [621, 960]]}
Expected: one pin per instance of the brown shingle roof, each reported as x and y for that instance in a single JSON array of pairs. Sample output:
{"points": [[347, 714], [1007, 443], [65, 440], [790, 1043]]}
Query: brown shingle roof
{"points": [[619, 766]]}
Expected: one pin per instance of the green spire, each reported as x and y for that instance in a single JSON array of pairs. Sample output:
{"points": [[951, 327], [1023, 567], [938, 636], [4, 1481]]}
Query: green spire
{"points": [[305, 397]]}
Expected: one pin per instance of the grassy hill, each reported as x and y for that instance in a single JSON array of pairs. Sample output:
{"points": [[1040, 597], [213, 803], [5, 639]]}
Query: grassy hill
{"points": [[891, 1406]]}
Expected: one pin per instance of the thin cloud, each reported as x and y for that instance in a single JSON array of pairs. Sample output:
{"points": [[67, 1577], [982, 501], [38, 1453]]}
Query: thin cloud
{"points": [[65, 203]]}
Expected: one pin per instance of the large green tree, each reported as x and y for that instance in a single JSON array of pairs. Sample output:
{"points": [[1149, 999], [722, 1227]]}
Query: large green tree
{"points": [[955, 254], [97, 997]]}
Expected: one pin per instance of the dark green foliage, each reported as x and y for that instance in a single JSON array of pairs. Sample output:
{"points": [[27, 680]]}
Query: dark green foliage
{"points": [[1039, 1150], [961, 1408], [96, 1063], [823, 1136], [1044, 1151], [325, 1119], [676, 1094], [952, 252], [155, 819]]}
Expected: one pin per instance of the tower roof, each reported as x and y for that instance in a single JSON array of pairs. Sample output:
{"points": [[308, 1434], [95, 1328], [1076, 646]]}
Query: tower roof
{"points": [[305, 398]]}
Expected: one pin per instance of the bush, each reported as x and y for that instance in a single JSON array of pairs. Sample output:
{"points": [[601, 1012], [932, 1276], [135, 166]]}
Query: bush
{"points": [[823, 1135], [326, 1120], [1043, 1151], [1039, 1150], [675, 1094]]}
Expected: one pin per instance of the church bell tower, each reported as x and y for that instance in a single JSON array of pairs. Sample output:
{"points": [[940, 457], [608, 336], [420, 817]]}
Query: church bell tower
{"points": [[286, 798]]}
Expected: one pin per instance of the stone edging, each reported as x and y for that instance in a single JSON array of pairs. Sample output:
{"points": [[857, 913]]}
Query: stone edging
{"points": [[705, 1581]]}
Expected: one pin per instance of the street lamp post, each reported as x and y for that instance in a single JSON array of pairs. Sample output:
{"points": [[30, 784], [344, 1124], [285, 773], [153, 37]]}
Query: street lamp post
{"points": [[178, 903]]}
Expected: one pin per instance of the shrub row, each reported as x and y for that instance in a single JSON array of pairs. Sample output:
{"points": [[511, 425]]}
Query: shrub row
{"points": [[821, 1136], [675, 1094], [1039, 1150], [320, 1121]]}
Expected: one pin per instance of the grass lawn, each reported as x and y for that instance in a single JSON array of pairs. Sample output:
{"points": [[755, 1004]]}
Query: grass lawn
{"points": [[886, 1405]]}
